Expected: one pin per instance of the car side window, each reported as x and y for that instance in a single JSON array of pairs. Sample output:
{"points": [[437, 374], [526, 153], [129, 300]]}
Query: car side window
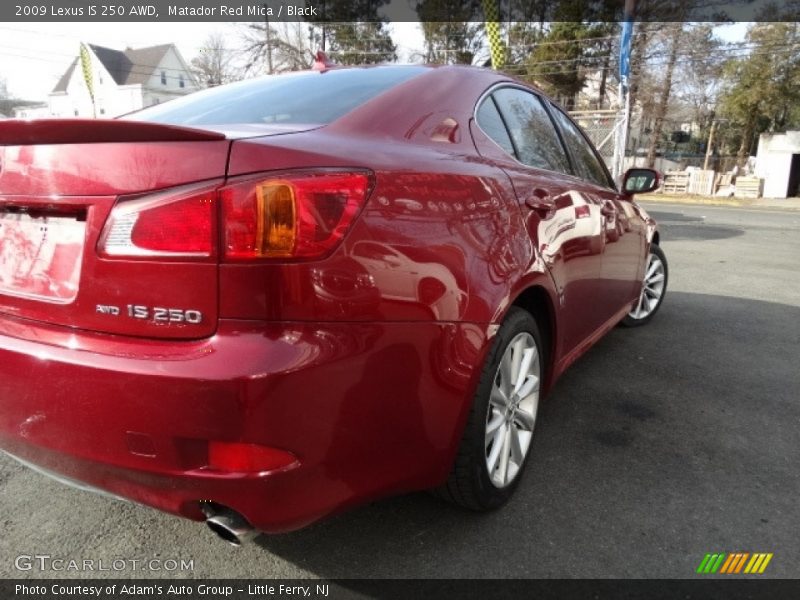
{"points": [[587, 165], [531, 130], [491, 123]]}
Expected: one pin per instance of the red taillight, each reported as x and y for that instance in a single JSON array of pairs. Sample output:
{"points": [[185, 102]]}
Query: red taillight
{"points": [[180, 227], [178, 222], [582, 212], [297, 215], [237, 457], [301, 215]]}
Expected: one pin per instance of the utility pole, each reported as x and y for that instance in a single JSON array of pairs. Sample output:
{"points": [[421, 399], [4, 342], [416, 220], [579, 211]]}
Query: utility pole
{"points": [[325, 19], [269, 40], [623, 125], [710, 143]]}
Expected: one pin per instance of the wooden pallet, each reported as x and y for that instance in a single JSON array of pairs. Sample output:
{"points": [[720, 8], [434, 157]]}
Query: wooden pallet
{"points": [[701, 182], [748, 187], [676, 182]]}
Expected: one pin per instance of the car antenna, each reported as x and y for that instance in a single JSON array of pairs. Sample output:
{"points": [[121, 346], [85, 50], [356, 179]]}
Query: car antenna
{"points": [[322, 62]]}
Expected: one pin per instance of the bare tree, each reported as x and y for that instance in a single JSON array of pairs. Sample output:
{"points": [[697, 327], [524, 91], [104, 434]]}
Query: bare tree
{"points": [[214, 65], [453, 30], [697, 81], [5, 98], [286, 45], [359, 42], [7, 101], [673, 42]]}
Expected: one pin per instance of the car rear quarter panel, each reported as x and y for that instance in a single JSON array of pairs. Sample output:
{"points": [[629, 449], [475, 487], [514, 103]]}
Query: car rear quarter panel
{"points": [[441, 238]]}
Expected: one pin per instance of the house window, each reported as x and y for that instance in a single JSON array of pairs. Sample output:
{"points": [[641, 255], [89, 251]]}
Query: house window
{"points": [[181, 83], [100, 78], [102, 111], [163, 78], [76, 112]]}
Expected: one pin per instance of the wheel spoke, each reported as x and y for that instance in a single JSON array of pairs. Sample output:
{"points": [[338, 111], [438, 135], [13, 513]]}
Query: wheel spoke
{"points": [[505, 373], [493, 426], [652, 268], [504, 455], [527, 359], [498, 397], [494, 454], [516, 450], [652, 292], [656, 278], [526, 419], [639, 306], [531, 385], [516, 360]]}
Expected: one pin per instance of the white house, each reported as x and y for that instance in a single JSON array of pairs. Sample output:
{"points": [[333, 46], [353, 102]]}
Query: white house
{"points": [[34, 110], [122, 82]]}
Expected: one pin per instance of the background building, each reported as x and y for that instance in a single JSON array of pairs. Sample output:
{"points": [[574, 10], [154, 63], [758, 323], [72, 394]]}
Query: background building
{"points": [[122, 81]]}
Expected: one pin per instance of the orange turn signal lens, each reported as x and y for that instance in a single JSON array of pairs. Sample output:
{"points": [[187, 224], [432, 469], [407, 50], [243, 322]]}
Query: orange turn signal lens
{"points": [[299, 215], [277, 226]]}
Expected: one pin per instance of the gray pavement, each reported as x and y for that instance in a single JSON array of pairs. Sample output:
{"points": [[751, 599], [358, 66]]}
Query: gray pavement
{"points": [[663, 443]]}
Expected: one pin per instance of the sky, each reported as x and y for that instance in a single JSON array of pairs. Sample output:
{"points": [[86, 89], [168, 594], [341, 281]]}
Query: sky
{"points": [[33, 56]]}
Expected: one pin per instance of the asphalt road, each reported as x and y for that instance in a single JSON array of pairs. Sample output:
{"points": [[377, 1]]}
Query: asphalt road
{"points": [[662, 444]]}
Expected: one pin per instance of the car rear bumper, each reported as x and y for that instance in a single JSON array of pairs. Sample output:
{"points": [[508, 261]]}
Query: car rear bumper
{"points": [[367, 409]]}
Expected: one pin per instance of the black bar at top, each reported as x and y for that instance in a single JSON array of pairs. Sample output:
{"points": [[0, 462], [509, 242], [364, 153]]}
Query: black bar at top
{"points": [[392, 10]]}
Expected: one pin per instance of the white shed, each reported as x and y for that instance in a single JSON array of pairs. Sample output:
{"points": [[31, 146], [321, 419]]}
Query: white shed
{"points": [[778, 163]]}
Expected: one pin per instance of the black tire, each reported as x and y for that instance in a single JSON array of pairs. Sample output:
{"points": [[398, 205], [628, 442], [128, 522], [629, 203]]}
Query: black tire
{"points": [[469, 483], [631, 319]]}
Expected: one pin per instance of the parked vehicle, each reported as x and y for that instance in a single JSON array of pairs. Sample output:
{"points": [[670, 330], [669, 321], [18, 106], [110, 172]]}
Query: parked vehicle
{"points": [[264, 303]]}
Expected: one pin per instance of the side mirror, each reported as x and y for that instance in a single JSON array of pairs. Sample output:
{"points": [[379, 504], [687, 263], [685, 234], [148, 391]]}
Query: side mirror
{"points": [[640, 181]]}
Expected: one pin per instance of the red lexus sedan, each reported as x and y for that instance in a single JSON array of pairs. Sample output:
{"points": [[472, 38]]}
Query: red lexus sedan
{"points": [[266, 302]]}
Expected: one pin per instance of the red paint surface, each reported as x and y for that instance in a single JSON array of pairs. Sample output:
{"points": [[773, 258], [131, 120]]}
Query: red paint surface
{"points": [[362, 365]]}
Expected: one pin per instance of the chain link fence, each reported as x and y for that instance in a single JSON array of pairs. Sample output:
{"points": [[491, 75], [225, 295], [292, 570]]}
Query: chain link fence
{"points": [[601, 127]]}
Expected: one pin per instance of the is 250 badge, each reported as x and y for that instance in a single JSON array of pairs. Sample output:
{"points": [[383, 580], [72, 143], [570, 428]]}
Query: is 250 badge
{"points": [[154, 313]]}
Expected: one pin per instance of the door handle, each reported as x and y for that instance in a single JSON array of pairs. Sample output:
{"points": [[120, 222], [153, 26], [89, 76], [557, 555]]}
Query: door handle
{"points": [[540, 201]]}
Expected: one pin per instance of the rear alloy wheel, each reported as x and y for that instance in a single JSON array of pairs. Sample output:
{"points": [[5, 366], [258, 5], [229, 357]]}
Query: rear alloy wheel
{"points": [[499, 432], [654, 288], [511, 413]]}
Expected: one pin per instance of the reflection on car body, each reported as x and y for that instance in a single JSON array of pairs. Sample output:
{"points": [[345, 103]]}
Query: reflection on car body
{"points": [[369, 277]]}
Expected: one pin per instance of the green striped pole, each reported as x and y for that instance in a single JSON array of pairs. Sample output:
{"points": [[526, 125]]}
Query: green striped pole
{"points": [[86, 65], [491, 15]]}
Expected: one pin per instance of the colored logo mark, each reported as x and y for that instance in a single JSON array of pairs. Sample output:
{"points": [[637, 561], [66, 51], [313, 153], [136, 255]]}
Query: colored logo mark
{"points": [[735, 563]]}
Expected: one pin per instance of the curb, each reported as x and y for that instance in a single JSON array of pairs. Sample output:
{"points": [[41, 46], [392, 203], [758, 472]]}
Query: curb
{"points": [[776, 204]]}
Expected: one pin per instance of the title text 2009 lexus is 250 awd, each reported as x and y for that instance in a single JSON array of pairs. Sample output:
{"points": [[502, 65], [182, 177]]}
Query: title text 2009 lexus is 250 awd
{"points": [[263, 303]]}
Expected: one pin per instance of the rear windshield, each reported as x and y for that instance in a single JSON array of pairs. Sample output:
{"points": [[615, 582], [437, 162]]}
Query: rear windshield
{"points": [[307, 97]]}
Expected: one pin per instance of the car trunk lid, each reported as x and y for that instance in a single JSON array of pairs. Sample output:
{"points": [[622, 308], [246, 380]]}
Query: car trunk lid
{"points": [[59, 181]]}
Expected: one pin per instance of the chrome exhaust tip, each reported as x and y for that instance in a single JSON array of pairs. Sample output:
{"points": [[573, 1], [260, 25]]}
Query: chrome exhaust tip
{"points": [[229, 525]]}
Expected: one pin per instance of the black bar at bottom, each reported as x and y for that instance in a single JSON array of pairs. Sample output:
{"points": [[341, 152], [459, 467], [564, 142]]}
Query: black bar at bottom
{"points": [[400, 589]]}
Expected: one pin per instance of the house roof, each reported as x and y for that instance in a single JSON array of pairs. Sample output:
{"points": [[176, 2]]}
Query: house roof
{"points": [[61, 86], [126, 68]]}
